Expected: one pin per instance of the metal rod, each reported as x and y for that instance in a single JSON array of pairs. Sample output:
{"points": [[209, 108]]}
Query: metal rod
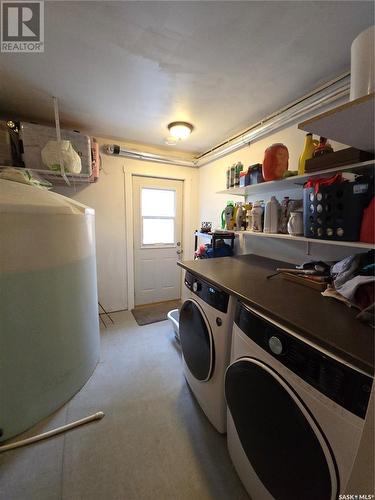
{"points": [[106, 313], [96, 416], [58, 136], [327, 93]]}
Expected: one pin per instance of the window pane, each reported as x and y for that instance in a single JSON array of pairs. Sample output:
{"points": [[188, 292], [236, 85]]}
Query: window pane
{"points": [[158, 231], [158, 202]]}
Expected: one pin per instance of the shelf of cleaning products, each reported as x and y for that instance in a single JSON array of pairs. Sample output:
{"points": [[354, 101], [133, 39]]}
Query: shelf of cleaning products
{"points": [[351, 123], [294, 182], [288, 237]]}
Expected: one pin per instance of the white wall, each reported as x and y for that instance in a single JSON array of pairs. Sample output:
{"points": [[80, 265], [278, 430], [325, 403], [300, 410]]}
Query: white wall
{"points": [[107, 197], [212, 178]]}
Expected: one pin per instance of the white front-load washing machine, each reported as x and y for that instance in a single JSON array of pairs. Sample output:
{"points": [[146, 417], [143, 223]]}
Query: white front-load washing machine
{"points": [[205, 328], [295, 413]]}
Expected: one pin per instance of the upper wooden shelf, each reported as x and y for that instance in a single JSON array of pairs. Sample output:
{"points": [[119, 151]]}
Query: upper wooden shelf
{"points": [[351, 123]]}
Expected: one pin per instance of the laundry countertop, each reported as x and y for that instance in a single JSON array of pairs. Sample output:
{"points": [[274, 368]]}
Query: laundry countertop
{"points": [[321, 320]]}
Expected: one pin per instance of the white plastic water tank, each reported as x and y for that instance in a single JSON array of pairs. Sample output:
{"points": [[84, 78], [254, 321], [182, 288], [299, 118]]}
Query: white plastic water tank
{"points": [[49, 331]]}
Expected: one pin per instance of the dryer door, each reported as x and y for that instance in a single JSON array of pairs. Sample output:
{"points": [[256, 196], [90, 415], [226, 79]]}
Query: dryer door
{"points": [[283, 443], [196, 340]]}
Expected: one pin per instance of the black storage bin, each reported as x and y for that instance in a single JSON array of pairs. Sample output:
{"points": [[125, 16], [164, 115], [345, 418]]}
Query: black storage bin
{"points": [[335, 212]]}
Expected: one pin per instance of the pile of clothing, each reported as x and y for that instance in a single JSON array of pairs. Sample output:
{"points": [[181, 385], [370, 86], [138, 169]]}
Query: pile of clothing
{"points": [[353, 283]]}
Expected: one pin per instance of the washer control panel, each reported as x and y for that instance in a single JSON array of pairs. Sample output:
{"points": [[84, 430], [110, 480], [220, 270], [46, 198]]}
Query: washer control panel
{"points": [[207, 292], [339, 382]]}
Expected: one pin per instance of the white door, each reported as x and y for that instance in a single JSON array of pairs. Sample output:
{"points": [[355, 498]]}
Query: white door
{"points": [[157, 239]]}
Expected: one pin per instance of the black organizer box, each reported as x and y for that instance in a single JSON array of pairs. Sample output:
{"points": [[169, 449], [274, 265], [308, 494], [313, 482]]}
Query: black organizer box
{"points": [[335, 212]]}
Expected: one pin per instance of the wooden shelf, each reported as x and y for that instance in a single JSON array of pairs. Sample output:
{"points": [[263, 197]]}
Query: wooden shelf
{"points": [[293, 182], [351, 123], [288, 237]]}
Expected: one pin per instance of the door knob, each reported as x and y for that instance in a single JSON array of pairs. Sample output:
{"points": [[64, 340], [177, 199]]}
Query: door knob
{"points": [[179, 252]]}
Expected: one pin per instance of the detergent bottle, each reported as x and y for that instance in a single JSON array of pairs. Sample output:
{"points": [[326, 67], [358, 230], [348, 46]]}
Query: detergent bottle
{"points": [[227, 215], [239, 217], [307, 153]]}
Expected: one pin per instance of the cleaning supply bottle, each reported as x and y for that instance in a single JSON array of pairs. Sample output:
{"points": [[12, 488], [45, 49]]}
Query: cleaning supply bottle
{"points": [[239, 217], [272, 216], [248, 218], [257, 217], [227, 214], [307, 153], [232, 175], [239, 169], [232, 222]]}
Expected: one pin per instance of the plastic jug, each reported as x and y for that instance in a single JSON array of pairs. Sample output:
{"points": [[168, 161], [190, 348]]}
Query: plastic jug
{"points": [[272, 216], [307, 153], [227, 215], [257, 217]]}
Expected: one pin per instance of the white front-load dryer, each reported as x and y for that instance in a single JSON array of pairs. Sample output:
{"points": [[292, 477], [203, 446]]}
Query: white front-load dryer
{"points": [[295, 413], [205, 328]]}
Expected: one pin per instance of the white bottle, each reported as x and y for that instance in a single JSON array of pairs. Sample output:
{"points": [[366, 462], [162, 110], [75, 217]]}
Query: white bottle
{"points": [[271, 216], [239, 217], [257, 217]]}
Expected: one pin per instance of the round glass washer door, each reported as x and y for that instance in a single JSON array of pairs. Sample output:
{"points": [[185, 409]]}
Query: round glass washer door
{"points": [[196, 341], [280, 437]]}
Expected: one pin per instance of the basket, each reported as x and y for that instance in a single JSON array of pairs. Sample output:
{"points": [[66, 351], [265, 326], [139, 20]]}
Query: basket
{"points": [[335, 212]]}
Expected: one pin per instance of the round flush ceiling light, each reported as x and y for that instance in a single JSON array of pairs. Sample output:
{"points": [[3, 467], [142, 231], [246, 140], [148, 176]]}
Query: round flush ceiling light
{"points": [[180, 130]]}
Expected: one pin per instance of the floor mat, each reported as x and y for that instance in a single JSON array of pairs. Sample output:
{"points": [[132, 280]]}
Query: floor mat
{"points": [[152, 313]]}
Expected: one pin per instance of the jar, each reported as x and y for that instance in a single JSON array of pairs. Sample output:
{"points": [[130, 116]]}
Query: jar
{"points": [[295, 224], [275, 163]]}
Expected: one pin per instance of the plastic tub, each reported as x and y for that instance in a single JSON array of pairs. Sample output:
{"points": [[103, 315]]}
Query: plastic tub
{"points": [[174, 318]]}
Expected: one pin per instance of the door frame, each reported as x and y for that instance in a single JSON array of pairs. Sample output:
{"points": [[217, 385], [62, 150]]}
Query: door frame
{"points": [[187, 231]]}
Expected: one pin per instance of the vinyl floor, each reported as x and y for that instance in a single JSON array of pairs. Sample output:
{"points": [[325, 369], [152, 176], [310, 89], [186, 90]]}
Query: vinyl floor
{"points": [[153, 443]]}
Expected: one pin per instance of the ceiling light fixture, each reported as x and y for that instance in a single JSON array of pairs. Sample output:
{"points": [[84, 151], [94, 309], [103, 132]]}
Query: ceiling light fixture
{"points": [[180, 130]]}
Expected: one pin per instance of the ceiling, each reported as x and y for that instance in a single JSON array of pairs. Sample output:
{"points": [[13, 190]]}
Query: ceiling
{"points": [[127, 69]]}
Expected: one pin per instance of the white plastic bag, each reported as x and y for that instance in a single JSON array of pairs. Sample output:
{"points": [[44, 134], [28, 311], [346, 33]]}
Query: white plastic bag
{"points": [[54, 153]]}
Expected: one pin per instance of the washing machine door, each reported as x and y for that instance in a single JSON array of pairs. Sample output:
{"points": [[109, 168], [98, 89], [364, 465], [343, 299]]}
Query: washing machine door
{"points": [[196, 340], [282, 441]]}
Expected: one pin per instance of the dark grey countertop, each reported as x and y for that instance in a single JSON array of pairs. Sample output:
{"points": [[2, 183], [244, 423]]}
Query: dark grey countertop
{"points": [[324, 321]]}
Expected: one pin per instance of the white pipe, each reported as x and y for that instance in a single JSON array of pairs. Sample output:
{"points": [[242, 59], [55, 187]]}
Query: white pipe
{"points": [[321, 96], [115, 150], [96, 416]]}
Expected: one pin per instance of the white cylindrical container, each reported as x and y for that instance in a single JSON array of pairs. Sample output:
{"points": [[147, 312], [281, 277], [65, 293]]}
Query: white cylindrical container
{"points": [[49, 333], [239, 217], [271, 216], [257, 217], [362, 81], [295, 224]]}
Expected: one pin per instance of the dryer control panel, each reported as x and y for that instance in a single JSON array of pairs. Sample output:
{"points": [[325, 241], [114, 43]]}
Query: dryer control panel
{"points": [[343, 384], [207, 292]]}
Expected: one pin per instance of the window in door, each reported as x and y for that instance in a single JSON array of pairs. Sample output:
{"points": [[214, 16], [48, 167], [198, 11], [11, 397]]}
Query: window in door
{"points": [[158, 212]]}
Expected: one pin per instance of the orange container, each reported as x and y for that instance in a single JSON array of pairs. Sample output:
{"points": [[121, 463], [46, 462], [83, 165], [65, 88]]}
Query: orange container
{"points": [[275, 163]]}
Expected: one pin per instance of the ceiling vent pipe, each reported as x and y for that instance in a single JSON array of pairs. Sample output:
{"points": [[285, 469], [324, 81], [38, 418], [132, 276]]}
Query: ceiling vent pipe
{"points": [[115, 150], [322, 96]]}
